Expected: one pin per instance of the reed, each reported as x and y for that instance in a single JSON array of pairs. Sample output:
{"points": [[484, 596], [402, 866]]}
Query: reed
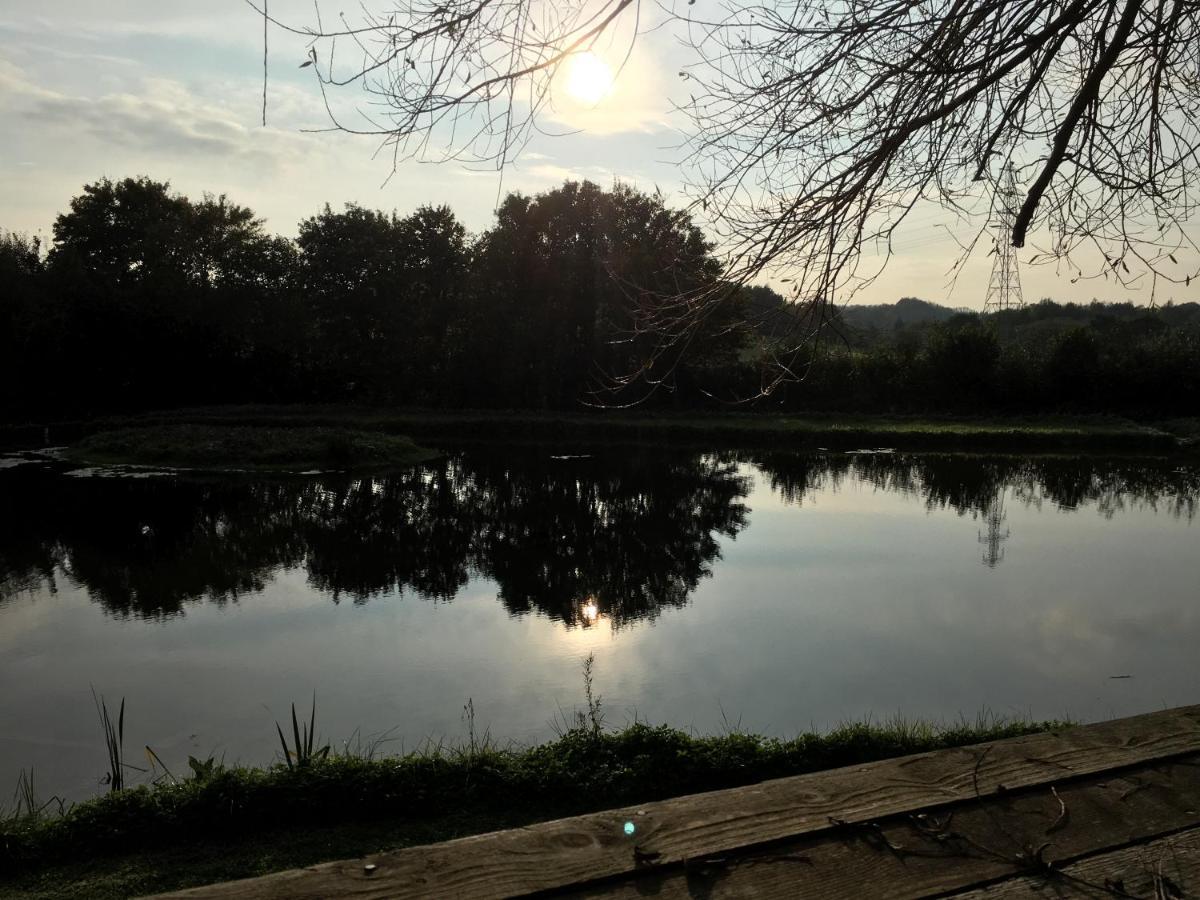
{"points": [[114, 742]]}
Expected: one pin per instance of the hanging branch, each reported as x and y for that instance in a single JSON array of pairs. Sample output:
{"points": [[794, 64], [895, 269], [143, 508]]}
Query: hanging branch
{"points": [[817, 128]]}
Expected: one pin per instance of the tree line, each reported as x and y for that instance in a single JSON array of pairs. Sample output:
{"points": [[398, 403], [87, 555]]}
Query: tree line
{"points": [[148, 299], [1044, 357]]}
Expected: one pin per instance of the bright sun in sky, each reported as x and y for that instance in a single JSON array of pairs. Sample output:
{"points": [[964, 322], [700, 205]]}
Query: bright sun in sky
{"points": [[589, 78]]}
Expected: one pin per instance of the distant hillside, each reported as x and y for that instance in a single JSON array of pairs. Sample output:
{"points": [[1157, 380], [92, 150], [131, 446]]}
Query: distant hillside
{"points": [[888, 316], [771, 313], [1034, 325]]}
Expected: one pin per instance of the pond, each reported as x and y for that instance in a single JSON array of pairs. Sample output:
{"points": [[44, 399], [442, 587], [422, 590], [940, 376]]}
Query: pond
{"points": [[774, 592]]}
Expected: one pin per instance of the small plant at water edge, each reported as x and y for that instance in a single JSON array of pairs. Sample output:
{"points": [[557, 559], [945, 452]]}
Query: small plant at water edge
{"points": [[301, 754], [114, 742], [26, 805]]}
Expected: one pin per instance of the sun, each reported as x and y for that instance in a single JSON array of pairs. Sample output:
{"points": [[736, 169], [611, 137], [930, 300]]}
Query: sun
{"points": [[589, 79]]}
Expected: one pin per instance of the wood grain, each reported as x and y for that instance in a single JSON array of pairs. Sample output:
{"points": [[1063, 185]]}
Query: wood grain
{"points": [[555, 855], [1165, 869], [977, 843]]}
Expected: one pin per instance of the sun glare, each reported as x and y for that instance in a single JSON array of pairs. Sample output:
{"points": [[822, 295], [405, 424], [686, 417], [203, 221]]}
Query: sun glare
{"points": [[589, 79]]}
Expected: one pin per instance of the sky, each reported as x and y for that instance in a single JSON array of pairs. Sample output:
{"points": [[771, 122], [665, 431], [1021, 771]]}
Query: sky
{"points": [[173, 90]]}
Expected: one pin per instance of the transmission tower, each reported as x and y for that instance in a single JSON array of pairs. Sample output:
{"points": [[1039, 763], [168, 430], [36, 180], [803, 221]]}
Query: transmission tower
{"points": [[997, 534], [1004, 290]]}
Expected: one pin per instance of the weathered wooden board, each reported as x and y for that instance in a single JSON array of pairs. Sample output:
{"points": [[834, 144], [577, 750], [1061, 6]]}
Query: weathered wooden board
{"points": [[554, 855], [1166, 869], [940, 852]]}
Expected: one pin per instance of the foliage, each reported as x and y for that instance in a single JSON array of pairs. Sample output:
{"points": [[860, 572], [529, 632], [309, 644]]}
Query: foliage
{"points": [[1047, 357], [23, 278], [114, 742], [204, 769], [566, 275], [301, 754], [27, 806], [148, 299], [582, 770], [816, 129], [254, 447], [380, 293]]}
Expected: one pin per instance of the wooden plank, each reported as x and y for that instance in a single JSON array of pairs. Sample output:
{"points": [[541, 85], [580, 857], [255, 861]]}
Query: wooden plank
{"points": [[899, 858], [1165, 869], [553, 855]]}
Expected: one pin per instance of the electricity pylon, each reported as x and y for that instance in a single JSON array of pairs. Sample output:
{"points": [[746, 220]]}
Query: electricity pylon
{"points": [[995, 517], [1004, 290]]}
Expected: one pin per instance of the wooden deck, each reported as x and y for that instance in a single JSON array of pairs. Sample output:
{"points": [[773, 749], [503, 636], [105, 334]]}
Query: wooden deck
{"points": [[1106, 810]]}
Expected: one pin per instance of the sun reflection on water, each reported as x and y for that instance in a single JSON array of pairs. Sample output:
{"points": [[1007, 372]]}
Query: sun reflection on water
{"points": [[589, 611]]}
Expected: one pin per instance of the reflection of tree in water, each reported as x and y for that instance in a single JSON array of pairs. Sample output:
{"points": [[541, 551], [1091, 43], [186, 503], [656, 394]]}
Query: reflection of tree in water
{"points": [[633, 538], [407, 531], [633, 534], [977, 485], [141, 546], [616, 537], [969, 484]]}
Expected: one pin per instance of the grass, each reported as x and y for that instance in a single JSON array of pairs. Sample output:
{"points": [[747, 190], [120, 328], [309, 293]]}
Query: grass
{"points": [[233, 822], [27, 806], [247, 446], [726, 429], [114, 742], [301, 753]]}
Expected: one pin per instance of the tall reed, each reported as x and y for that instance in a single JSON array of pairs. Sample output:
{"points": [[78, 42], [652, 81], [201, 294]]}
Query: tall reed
{"points": [[114, 741]]}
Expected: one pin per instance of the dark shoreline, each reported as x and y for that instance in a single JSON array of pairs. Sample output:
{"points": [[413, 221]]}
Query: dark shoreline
{"points": [[1099, 434]]}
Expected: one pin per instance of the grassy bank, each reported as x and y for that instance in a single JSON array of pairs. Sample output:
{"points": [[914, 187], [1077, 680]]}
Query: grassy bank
{"points": [[717, 429], [209, 445], [223, 823]]}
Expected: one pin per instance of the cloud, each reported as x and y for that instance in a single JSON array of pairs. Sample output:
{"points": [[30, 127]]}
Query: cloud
{"points": [[552, 172], [116, 19], [600, 175], [162, 117]]}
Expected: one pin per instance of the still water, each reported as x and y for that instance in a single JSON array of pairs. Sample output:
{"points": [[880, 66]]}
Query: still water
{"points": [[775, 591]]}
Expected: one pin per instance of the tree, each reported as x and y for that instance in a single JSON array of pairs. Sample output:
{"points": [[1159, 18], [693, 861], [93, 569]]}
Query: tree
{"points": [[564, 283], [380, 290], [22, 341], [159, 299], [817, 126]]}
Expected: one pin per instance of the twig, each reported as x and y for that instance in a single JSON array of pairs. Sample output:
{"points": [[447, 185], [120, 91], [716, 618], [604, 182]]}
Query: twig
{"points": [[1063, 816]]}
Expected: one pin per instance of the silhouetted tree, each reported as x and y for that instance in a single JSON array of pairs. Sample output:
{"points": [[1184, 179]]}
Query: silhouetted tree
{"points": [[816, 128], [24, 337], [382, 290], [160, 295], [563, 280], [150, 299]]}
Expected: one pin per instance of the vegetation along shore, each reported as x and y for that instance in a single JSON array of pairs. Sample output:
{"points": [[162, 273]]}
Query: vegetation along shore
{"points": [[215, 822], [299, 436]]}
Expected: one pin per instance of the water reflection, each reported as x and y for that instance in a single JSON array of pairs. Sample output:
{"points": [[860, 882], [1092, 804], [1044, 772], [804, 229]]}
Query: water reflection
{"points": [[632, 535], [854, 588], [582, 540], [997, 533], [978, 486]]}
